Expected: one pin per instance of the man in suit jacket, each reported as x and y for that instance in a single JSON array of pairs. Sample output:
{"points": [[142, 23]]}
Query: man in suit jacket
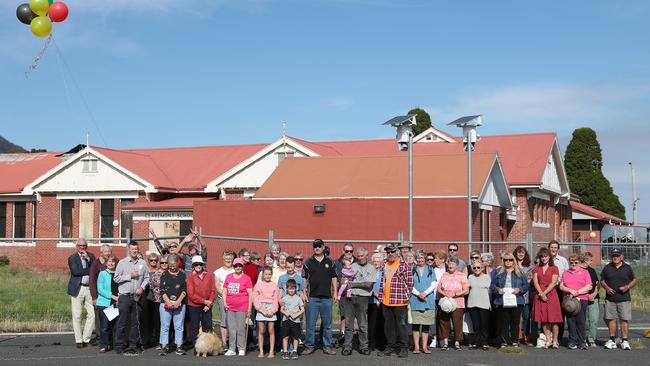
{"points": [[79, 264]]}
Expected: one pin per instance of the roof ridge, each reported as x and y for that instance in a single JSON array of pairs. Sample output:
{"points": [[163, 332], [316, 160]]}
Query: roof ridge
{"points": [[195, 147]]}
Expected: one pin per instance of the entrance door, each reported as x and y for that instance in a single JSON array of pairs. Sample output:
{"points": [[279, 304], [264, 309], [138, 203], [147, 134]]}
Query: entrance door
{"points": [[86, 214]]}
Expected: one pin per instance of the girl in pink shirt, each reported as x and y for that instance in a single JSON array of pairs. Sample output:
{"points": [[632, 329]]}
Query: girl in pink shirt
{"points": [[265, 300]]}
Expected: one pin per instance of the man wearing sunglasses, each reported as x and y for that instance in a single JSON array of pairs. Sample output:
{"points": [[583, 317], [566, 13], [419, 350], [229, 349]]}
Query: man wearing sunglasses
{"points": [[617, 278], [321, 284], [348, 253], [452, 250]]}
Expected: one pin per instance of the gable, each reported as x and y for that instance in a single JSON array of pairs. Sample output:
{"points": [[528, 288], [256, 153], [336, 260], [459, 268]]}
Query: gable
{"points": [[254, 171], [551, 179], [496, 192], [432, 135], [88, 171]]}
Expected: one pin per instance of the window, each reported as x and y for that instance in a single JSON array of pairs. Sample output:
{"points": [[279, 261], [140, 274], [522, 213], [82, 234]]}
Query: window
{"points": [[126, 218], [89, 165], [20, 209], [107, 211], [3, 219], [67, 206], [185, 227]]}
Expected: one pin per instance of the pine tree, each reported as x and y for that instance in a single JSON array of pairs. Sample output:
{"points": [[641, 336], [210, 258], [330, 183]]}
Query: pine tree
{"points": [[583, 161], [423, 120]]}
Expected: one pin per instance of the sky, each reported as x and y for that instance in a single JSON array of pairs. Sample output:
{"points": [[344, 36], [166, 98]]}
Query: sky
{"points": [[160, 73]]}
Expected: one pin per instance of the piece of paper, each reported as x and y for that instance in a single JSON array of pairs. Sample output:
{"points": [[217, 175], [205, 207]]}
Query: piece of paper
{"points": [[111, 312]]}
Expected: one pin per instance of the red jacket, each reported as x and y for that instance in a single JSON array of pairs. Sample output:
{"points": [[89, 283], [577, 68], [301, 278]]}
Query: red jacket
{"points": [[199, 290]]}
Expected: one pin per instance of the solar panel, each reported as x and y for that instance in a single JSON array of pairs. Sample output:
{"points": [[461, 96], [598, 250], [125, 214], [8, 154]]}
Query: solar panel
{"points": [[467, 121], [399, 120]]}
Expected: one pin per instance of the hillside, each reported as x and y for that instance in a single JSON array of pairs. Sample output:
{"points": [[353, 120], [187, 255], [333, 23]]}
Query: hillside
{"points": [[7, 146]]}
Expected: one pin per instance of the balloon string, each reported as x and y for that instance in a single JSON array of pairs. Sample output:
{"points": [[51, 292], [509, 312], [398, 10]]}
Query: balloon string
{"points": [[38, 57]]}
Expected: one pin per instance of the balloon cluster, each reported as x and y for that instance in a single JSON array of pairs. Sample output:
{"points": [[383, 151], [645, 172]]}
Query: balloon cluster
{"points": [[39, 15]]}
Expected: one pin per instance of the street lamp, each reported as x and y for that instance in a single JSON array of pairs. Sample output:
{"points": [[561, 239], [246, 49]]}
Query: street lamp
{"points": [[469, 124], [404, 125]]}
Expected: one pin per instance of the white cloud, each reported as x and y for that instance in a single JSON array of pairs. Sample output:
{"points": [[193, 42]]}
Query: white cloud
{"points": [[559, 107]]}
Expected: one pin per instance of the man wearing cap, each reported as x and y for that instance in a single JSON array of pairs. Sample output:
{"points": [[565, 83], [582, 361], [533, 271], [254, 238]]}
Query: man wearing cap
{"points": [[200, 296], [617, 278], [396, 284], [321, 285], [404, 247], [348, 253], [79, 264]]}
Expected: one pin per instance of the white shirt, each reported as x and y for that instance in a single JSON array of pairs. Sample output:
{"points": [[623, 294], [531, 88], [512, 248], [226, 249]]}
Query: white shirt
{"points": [[561, 263], [222, 273]]}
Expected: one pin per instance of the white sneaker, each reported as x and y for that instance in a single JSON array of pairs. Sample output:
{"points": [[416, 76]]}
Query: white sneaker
{"points": [[434, 343], [625, 345], [230, 353], [610, 344], [242, 352]]}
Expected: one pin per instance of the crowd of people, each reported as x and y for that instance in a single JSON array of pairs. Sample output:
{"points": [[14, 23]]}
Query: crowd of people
{"points": [[395, 300]]}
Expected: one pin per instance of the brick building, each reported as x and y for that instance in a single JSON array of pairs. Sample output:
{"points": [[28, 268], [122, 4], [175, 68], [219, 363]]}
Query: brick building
{"points": [[96, 192]]}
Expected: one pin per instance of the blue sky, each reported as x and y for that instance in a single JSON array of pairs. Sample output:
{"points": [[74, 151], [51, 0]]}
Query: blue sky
{"points": [[211, 72]]}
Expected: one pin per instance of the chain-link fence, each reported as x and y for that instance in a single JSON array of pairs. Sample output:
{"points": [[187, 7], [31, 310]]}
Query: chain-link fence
{"points": [[33, 290]]}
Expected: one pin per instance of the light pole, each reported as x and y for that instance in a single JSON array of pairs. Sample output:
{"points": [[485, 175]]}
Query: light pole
{"points": [[469, 124], [634, 197], [404, 125]]}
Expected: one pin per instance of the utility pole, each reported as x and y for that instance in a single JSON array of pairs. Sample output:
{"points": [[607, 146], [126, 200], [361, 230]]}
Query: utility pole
{"points": [[634, 197]]}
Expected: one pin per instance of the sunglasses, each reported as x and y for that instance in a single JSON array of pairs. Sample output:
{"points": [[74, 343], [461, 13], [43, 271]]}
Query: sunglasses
{"points": [[453, 250], [476, 257], [616, 255], [238, 266], [508, 260], [164, 262], [430, 259], [347, 251], [297, 259], [391, 251], [197, 264], [153, 260], [317, 246], [477, 267]]}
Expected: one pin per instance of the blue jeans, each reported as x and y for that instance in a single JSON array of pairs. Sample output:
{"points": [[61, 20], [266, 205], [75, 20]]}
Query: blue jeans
{"points": [[317, 306], [525, 315], [107, 329], [166, 317]]}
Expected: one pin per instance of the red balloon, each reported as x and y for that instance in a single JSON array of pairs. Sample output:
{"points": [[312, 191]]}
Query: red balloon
{"points": [[58, 11]]}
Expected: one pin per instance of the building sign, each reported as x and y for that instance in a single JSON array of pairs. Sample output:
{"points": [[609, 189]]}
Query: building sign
{"points": [[163, 215]]}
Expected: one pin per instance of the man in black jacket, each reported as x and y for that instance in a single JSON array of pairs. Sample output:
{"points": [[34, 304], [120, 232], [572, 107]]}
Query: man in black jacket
{"points": [[79, 264]]}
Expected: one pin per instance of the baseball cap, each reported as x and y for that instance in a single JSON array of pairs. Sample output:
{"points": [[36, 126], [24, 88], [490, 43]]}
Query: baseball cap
{"points": [[238, 261], [615, 251], [391, 247]]}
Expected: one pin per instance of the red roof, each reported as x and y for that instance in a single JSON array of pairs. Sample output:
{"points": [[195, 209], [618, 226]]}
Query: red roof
{"points": [[176, 203], [594, 212], [18, 170], [182, 168], [377, 176], [523, 157]]}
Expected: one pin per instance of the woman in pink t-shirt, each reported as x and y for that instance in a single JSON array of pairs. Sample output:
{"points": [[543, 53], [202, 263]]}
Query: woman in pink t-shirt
{"points": [[238, 303], [453, 284], [576, 282]]}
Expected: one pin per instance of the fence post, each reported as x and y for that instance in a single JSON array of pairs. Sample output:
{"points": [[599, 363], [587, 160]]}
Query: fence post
{"points": [[270, 239], [128, 240], [529, 243], [400, 236], [201, 243]]}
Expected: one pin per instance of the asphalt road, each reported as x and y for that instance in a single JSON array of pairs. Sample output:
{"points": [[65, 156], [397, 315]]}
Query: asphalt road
{"points": [[60, 350]]}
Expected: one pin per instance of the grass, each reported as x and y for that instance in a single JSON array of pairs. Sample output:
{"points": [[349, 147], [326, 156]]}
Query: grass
{"points": [[33, 302], [511, 350]]}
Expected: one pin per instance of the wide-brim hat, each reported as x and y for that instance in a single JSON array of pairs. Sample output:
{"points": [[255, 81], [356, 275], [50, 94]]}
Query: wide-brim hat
{"points": [[405, 244], [571, 306], [197, 259]]}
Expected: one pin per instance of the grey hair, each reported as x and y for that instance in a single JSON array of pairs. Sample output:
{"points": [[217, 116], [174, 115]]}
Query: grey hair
{"points": [[362, 250], [452, 260], [488, 256], [283, 254], [107, 246], [378, 256], [274, 247]]}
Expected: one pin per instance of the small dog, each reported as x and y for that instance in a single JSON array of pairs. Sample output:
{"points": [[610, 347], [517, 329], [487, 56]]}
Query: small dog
{"points": [[208, 344], [541, 341]]}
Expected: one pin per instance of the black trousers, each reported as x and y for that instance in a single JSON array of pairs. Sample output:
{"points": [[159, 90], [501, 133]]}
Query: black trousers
{"points": [[199, 318], [510, 323], [577, 325], [395, 326], [129, 313], [480, 322], [150, 323], [376, 336]]}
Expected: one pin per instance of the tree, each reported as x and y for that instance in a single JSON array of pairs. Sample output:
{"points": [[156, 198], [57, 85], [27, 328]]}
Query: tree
{"points": [[423, 120], [583, 161]]}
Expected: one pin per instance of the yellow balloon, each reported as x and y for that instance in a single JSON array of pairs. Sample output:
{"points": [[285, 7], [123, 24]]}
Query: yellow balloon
{"points": [[39, 6], [41, 26]]}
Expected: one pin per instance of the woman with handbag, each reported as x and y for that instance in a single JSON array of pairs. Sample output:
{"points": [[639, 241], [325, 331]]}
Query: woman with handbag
{"points": [[508, 288]]}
